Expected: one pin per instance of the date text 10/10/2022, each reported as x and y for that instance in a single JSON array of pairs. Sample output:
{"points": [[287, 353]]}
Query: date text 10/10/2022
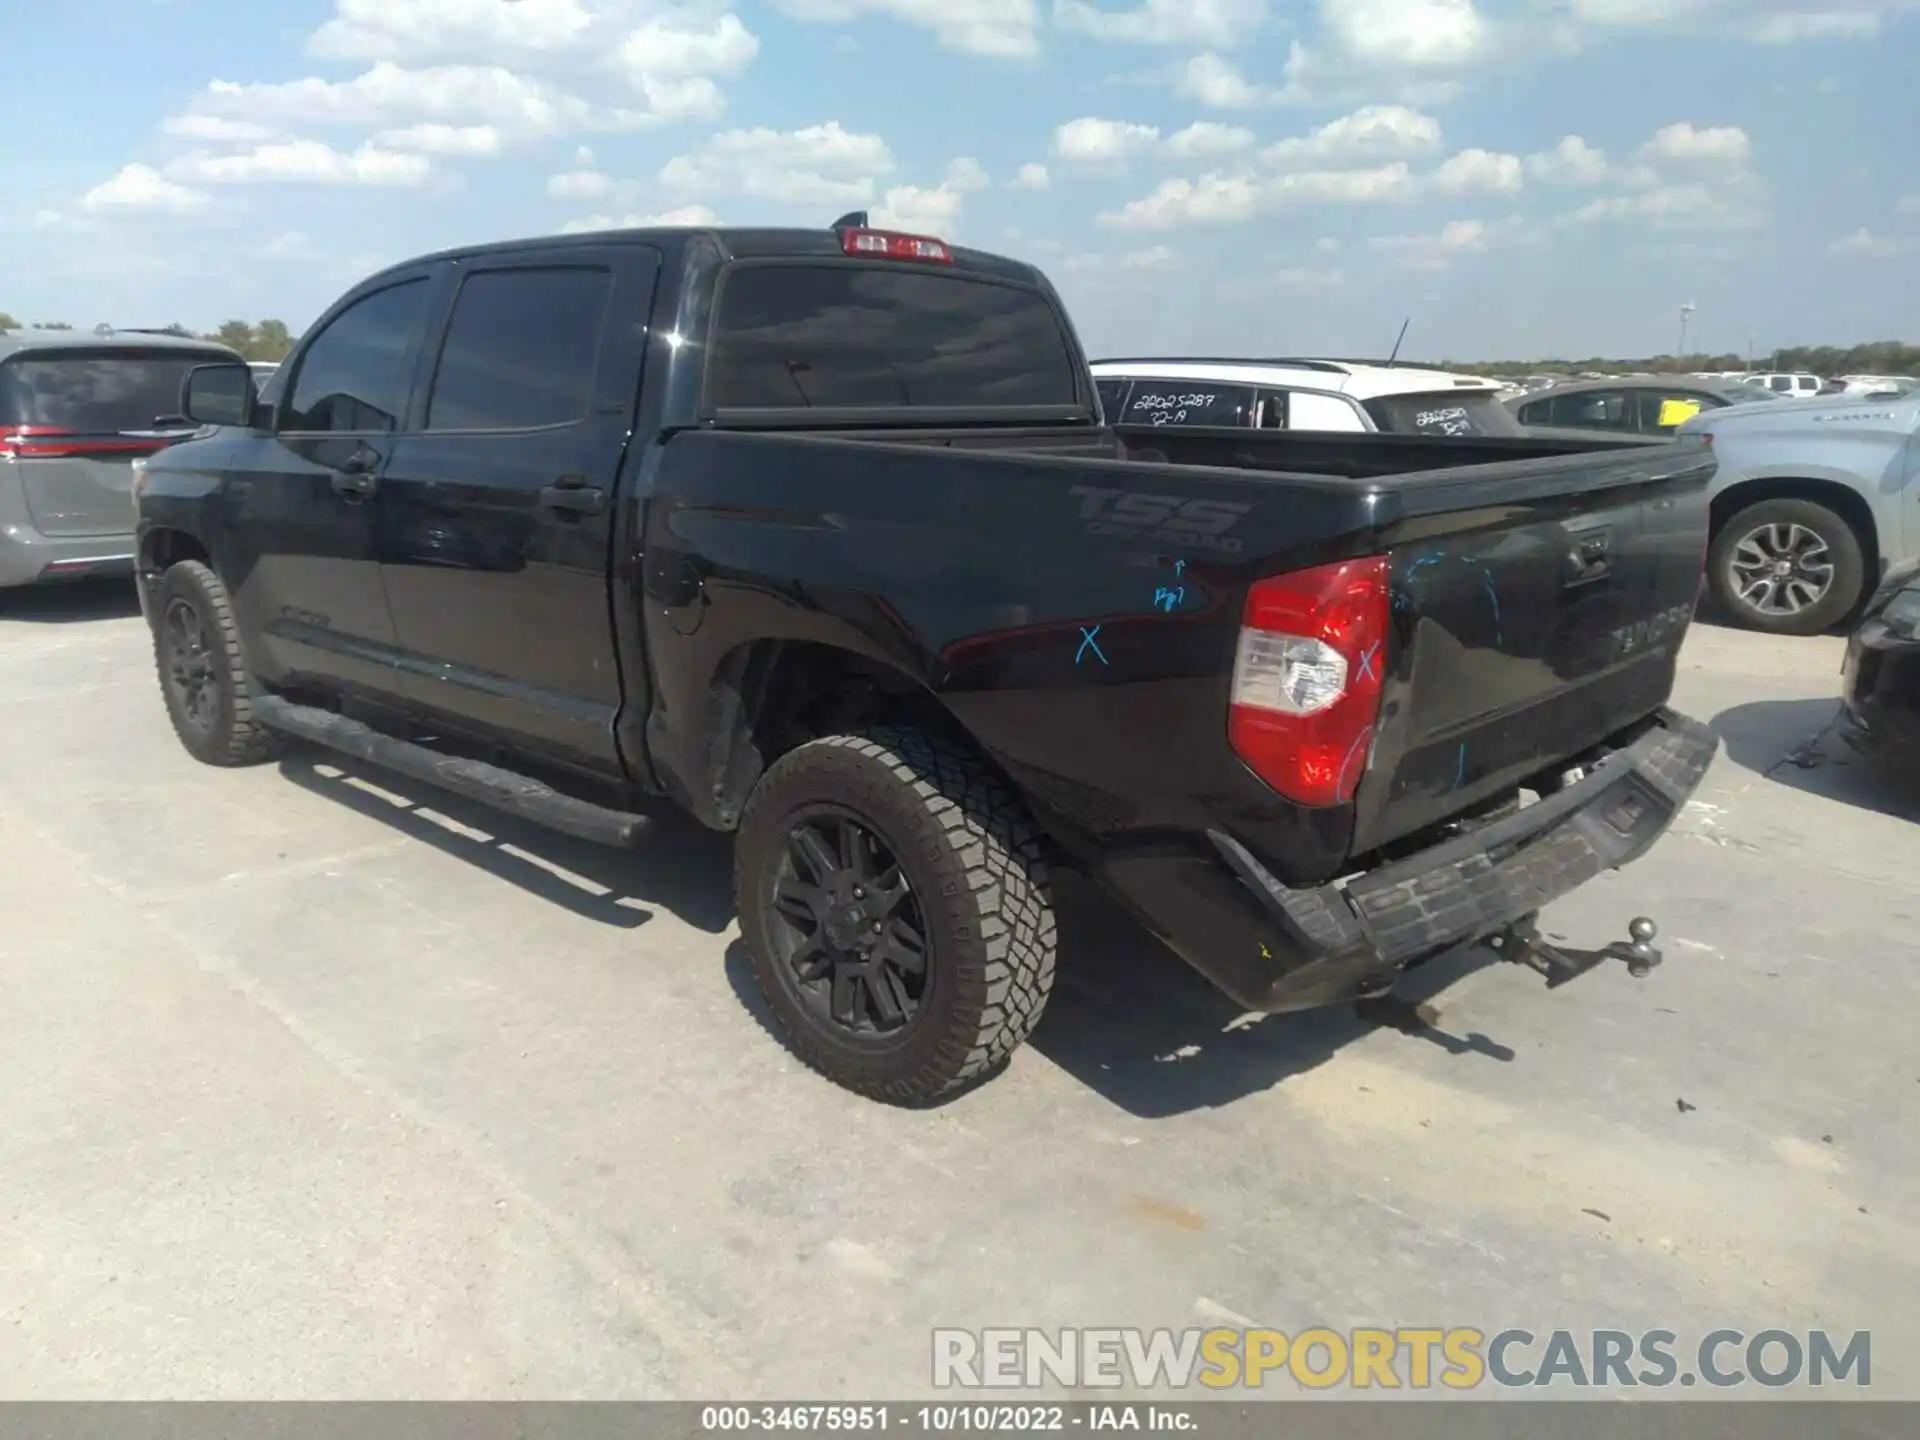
{"points": [[979, 1419]]}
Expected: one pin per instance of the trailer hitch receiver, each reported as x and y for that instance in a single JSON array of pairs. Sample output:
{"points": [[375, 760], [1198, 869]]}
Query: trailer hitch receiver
{"points": [[1522, 943]]}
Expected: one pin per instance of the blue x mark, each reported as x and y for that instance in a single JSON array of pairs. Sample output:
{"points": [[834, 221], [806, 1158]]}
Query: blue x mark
{"points": [[1087, 642]]}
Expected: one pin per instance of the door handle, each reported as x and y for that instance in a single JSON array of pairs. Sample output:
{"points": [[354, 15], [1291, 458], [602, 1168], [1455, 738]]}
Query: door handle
{"points": [[354, 478], [572, 495]]}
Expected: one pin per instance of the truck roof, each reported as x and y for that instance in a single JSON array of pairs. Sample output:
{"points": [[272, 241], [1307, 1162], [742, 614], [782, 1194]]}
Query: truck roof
{"points": [[15, 342], [1359, 379], [735, 243]]}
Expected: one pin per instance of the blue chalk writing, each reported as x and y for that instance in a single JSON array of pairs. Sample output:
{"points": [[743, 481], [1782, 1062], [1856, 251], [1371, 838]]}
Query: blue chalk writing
{"points": [[1166, 598], [1087, 642], [1460, 770], [1178, 566], [1367, 672], [1354, 749], [1486, 583]]}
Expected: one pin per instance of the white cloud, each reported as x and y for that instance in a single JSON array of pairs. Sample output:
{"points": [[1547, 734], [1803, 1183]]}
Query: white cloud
{"points": [[215, 128], [1795, 27], [672, 60], [416, 29], [1371, 132], [388, 96], [1090, 141], [1724, 145], [1224, 198], [1099, 266], [934, 211], [306, 162], [1670, 207], [44, 218], [1191, 24], [1215, 82], [1438, 250], [434, 139], [141, 187], [681, 215], [1003, 29], [1031, 176], [1572, 162], [1303, 278], [1865, 245], [1210, 200], [1478, 172], [1405, 33], [1206, 137], [1908, 204], [817, 165], [1327, 245], [579, 185]]}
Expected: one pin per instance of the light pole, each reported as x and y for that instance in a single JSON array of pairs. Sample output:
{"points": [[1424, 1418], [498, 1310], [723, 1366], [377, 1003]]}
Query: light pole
{"points": [[1686, 312]]}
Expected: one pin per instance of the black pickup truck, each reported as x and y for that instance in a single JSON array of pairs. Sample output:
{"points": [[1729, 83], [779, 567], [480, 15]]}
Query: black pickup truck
{"points": [[822, 537]]}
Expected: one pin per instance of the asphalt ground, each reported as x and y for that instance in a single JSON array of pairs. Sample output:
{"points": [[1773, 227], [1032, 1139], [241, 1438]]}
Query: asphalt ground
{"points": [[316, 1084]]}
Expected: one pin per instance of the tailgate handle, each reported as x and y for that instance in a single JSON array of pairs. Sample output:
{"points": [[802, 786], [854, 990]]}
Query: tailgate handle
{"points": [[1587, 556]]}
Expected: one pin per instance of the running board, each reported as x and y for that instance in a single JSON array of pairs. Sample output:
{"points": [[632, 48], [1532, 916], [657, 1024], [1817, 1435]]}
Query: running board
{"points": [[473, 779]]}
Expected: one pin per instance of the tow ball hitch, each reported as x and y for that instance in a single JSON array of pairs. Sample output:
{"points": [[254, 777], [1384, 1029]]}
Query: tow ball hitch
{"points": [[1522, 943]]}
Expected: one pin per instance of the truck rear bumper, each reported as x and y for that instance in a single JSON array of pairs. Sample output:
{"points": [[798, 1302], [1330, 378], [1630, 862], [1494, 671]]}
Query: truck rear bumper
{"points": [[1273, 948]]}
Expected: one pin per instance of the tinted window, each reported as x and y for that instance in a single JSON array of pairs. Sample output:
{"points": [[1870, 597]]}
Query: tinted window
{"points": [[355, 374], [1442, 413], [97, 393], [520, 350], [854, 335], [1187, 402], [1112, 392], [1779, 382]]}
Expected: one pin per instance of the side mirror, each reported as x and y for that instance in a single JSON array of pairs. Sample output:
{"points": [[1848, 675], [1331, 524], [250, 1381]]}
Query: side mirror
{"points": [[219, 395]]}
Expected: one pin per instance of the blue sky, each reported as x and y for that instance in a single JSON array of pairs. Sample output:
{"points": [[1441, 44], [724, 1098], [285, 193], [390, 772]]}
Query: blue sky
{"points": [[1516, 177]]}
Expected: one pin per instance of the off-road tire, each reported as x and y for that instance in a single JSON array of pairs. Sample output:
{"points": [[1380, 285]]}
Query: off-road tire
{"points": [[1849, 567], [233, 738], [974, 861]]}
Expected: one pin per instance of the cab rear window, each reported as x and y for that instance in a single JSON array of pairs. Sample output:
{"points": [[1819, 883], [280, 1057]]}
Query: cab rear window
{"points": [[1186, 402], [97, 393], [844, 336]]}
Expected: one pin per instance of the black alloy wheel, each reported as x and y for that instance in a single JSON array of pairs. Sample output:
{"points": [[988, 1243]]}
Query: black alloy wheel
{"points": [[848, 927], [187, 663]]}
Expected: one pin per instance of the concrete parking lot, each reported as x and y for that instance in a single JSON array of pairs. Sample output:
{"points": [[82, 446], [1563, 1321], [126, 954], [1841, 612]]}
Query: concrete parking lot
{"points": [[313, 1084]]}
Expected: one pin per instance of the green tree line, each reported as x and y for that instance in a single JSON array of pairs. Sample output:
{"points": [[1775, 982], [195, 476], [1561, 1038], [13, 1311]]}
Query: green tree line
{"points": [[267, 340], [1880, 357]]}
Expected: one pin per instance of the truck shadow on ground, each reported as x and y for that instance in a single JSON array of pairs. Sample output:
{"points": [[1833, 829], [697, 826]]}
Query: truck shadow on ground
{"points": [[1797, 743], [683, 866], [1135, 1024], [72, 602], [1128, 1019]]}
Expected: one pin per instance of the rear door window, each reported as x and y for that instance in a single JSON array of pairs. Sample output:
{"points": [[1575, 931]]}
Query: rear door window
{"points": [[1442, 413], [842, 335], [99, 392], [521, 349], [1188, 402]]}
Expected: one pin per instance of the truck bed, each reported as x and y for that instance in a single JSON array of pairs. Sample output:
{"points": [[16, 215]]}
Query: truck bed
{"points": [[1024, 578]]}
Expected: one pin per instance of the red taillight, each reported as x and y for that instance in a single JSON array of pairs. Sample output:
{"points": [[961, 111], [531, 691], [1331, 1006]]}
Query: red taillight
{"points": [[889, 245], [1306, 678], [51, 442]]}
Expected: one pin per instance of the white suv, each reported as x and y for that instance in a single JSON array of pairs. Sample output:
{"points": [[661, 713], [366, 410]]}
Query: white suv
{"points": [[1322, 395], [1795, 385]]}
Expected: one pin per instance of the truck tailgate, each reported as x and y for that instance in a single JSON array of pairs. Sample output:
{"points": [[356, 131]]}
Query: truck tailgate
{"points": [[1529, 626]]}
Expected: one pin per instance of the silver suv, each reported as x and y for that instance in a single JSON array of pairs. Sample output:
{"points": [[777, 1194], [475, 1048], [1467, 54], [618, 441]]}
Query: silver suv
{"points": [[76, 409]]}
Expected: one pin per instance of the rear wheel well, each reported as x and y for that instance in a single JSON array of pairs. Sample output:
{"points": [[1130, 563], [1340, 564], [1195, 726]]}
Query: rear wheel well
{"points": [[163, 549], [772, 696], [1843, 501]]}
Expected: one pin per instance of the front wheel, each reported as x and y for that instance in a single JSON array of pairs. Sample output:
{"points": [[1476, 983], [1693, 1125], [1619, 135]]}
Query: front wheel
{"points": [[203, 674], [898, 913], [1786, 567]]}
